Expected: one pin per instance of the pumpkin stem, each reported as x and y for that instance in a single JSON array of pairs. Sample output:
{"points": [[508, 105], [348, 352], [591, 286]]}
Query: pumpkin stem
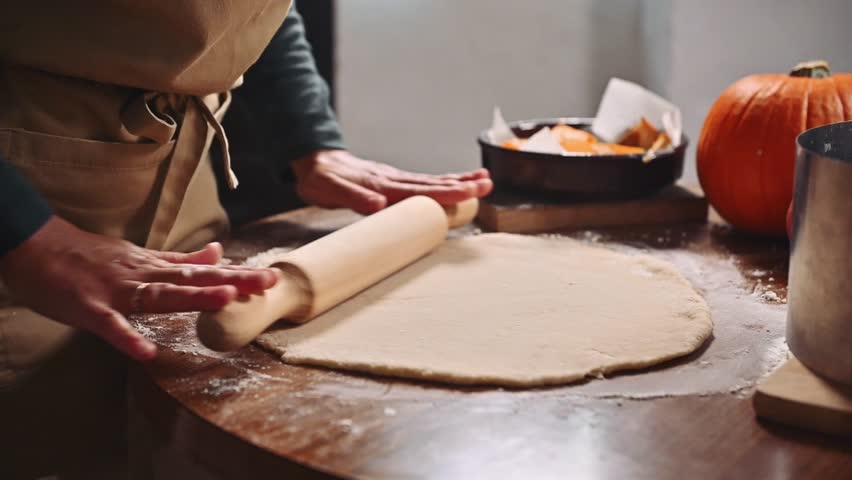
{"points": [[812, 69]]}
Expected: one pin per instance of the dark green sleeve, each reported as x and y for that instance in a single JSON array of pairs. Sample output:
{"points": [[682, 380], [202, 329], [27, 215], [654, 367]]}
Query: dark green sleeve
{"points": [[279, 114], [288, 96], [22, 209]]}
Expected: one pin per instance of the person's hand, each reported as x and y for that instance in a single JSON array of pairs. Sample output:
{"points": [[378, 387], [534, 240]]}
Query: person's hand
{"points": [[336, 178], [92, 282]]}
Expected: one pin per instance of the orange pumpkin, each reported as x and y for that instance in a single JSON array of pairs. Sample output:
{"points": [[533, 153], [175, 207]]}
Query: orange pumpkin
{"points": [[747, 148]]}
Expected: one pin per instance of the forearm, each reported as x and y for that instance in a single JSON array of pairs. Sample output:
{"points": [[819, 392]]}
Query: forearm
{"points": [[22, 209], [289, 98]]}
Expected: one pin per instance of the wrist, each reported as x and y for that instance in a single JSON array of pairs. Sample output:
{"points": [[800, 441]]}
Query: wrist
{"points": [[306, 164]]}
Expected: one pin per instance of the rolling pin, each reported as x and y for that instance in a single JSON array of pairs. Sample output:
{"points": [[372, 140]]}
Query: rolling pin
{"points": [[327, 271]]}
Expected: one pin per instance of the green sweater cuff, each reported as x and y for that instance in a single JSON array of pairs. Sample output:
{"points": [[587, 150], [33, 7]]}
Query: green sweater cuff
{"points": [[22, 209]]}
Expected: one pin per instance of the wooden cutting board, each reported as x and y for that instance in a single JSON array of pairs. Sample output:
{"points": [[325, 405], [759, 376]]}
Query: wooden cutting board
{"points": [[793, 395], [502, 212]]}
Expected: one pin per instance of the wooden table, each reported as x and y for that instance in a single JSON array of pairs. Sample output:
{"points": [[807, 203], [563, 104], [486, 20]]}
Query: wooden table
{"points": [[247, 415]]}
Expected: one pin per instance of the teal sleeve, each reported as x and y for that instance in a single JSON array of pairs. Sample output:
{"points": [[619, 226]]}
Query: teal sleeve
{"points": [[22, 209], [280, 113], [288, 97]]}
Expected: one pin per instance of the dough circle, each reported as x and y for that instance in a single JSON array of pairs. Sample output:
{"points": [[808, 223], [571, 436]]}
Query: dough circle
{"points": [[508, 310]]}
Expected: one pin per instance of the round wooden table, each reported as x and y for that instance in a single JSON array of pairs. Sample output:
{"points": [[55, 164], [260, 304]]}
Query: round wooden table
{"points": [[200, 414]]}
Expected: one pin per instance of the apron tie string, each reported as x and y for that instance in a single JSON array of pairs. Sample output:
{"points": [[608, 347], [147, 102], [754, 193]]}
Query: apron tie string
{"points": [[219, 131], [140, 119]]}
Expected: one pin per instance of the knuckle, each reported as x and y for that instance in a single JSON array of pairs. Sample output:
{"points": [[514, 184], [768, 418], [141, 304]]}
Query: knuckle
{"points": [[186, 274], [157, 262], [373, 181], [132, 262], [147, 273], [154, 293]]}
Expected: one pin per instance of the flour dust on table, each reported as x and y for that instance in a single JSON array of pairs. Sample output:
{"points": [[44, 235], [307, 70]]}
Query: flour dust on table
{"points": [[508, 310]]}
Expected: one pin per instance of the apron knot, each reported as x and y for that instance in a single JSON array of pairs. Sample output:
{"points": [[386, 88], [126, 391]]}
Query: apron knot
{"points": [[152, 116]]}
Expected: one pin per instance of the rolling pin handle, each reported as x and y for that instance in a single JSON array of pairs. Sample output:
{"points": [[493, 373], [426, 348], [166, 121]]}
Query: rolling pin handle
{"points": [[236, 325], [461, 213]]}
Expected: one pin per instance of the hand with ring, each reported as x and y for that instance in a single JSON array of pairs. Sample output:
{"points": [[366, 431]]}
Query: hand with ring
{"points": [[93, 282]]}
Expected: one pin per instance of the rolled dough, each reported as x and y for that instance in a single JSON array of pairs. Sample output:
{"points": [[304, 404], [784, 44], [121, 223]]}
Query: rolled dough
{"points": [[510, 310]]}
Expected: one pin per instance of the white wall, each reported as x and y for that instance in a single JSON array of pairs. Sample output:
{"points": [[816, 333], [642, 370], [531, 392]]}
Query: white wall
{"points": [[716, 42], [417, 79]]}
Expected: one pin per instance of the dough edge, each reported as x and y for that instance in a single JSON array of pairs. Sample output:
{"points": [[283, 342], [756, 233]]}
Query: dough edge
{"points": [[453, 378]]}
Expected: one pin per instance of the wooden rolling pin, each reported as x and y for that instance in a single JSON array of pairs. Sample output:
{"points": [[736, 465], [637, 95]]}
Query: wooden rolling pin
{"points": [[325, 272]]}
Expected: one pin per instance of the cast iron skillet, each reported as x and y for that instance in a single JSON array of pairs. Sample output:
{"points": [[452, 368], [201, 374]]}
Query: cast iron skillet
{"points": [[577, 177]]}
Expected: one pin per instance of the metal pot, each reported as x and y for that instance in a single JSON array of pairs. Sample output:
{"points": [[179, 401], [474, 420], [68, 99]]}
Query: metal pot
{"points": [[819, 318]]}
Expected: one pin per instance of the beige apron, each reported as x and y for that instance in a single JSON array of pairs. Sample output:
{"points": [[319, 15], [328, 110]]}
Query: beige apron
{"points": [[109, 109]]}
